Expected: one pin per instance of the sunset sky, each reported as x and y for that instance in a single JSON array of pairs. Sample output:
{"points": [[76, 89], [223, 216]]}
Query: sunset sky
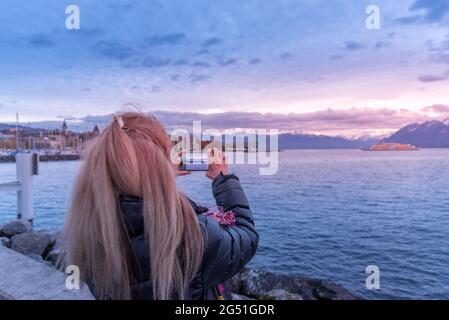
{"points": [[256, 61]]}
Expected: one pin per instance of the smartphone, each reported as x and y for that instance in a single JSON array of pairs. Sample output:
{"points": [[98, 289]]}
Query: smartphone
{"points": [[194, 161]]}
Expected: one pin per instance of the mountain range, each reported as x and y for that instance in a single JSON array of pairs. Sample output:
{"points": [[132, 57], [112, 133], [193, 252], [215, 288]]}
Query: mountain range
{"points": [[312, 141], [430, 134]]}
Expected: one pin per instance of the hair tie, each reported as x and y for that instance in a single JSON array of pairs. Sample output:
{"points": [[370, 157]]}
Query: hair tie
{"points": [[120, 122]]}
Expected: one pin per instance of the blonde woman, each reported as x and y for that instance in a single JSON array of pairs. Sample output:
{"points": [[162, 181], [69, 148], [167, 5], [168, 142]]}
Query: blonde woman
{"points": [[134, 235]]}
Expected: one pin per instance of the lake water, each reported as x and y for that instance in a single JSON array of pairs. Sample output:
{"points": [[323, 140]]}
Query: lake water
{"points": [[325, 214]]}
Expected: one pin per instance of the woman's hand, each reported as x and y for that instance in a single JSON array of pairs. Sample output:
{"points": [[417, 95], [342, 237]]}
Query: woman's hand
{"points": [[181, 172], [178, 171], [217, 163]]}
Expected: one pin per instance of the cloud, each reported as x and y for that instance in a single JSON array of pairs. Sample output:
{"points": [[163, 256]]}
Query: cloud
{"points": [[434, 10], [201, 64], [166, 39], [329, 120], [202, 52], [414, 19], [88, 32], [197, 78], [153, 62], [212, 42], [326, 120], [335, 57], [254, 61], [156, 89], [316, 79], [382, 44], [285, 56], [40, 41], [175, 77], [442, 57], [437, 108], [112, 49], [67, 117], [181, 62], [227, 62], [440, 53], [431, 78], [426, 11], [352, 45]]}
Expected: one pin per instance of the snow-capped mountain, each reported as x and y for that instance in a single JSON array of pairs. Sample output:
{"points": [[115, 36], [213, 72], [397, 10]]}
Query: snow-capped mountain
{"points": [[430, 134]]}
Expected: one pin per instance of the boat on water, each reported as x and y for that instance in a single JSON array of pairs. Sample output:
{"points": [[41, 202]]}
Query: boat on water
{"points": [[388, 146]]}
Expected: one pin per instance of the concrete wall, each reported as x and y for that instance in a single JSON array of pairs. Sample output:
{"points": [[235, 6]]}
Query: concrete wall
{"points": [[24, 278]]}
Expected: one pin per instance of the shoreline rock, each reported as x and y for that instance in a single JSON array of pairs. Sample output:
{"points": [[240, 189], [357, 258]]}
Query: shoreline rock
{"points": [[264, 285], [15, 227], [250, 284], [31, 243], [4, 241]]}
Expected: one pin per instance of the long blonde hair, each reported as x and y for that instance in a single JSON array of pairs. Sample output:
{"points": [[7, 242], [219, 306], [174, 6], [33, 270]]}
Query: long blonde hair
{"points": [[132, 156]]}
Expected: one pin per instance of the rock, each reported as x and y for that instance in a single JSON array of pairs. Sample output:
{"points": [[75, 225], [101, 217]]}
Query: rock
{"points": [[236, 296], [260, 284], [330, 291], [31, 242], [54, 235], [14, 227], [280, 294], [36, 257], [39, 258], [257, 283], [22, 278], [57, 258], [57, 255], [235, 283], [4, 241]]}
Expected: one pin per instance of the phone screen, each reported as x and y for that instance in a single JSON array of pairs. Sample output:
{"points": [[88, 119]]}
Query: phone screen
{"points": [[194, 161]]}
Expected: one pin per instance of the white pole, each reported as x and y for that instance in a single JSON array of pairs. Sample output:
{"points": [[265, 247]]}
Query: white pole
{"points": [[24, 171], [17, 133]]}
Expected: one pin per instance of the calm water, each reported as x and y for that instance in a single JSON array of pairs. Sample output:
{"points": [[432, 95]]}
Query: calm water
{"points": [[325, 214]]}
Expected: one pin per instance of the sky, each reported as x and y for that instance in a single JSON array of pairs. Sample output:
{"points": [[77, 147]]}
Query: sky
{"points": [[293, 65]]}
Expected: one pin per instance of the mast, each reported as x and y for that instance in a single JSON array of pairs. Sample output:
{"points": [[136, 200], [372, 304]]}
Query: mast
{"points": [[17, 132]]}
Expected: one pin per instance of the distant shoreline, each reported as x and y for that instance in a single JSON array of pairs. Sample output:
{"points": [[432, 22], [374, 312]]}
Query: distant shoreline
{"points": [[74, 157], [45, 158]]}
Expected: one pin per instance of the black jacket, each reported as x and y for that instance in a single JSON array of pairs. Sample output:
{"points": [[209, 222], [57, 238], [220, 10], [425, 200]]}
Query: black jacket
{"points": [[227, 248]]}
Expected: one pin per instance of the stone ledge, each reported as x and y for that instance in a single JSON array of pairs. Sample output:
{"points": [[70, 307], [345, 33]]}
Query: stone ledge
{"points": [[22, 278], [44, 247]]}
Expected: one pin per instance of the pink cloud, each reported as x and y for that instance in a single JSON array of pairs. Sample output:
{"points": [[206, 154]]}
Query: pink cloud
{"points": [[437, 108], [329, 120]]}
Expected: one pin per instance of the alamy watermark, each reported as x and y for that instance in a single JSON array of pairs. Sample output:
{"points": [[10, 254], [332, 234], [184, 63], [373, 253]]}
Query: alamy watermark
{"points": [[73, 277], [372, 22], [242, 147], [73, 20], [372, 282]]}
